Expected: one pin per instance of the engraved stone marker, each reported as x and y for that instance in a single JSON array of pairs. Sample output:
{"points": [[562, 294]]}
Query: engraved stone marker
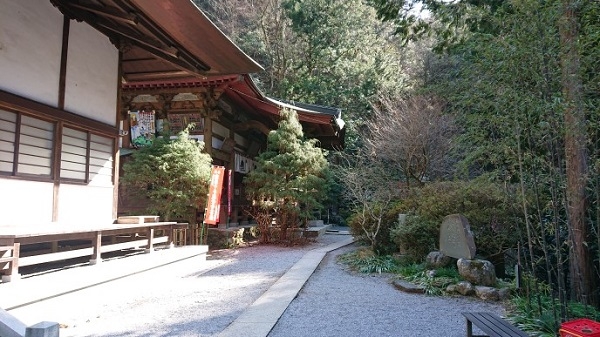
{"points": [[402, 219], [456, 238]]}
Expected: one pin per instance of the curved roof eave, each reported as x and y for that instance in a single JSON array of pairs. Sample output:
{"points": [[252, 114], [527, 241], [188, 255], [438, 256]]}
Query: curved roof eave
{"points": [[161, 39], [338, 121], [189, 26], [301, 108]]}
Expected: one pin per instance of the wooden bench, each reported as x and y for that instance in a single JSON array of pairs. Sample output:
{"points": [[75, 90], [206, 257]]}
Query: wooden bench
{"points": [[491, 324], [14, 238]]}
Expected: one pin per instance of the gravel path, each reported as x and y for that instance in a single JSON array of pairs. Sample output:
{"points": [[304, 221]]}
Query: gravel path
{"points": [[182, 299], [192, 299], [338, 302]]}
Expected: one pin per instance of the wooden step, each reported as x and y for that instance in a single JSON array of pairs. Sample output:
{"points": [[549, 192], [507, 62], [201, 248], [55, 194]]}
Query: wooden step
{"points": [[137, 219]]}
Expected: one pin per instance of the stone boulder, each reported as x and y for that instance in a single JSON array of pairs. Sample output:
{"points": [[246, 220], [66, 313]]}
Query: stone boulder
{"points": [[487, 293], [456, 238], [479, 272], [465, 288], [438, 259], [408, 287], [503, 294]]}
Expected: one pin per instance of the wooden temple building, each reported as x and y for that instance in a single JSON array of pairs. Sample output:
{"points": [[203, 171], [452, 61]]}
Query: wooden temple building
{"points": [[232, 117], [72, 74]]}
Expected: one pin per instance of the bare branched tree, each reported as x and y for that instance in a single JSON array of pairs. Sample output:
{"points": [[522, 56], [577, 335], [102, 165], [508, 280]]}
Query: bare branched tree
{"points": [[369, 192], [414, 135]]}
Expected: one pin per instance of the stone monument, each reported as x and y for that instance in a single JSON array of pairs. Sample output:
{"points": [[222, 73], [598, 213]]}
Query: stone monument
{"points": [[456, 238]]}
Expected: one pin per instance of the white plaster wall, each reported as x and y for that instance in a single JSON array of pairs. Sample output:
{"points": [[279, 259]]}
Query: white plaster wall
{"points": [[25, 202], [81, 204], [92, 74], [30, 48]]}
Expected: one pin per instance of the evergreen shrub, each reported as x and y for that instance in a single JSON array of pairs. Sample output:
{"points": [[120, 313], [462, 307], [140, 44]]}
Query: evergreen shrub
{"points": [[172, 174], [485, 204], [359, 227], [416, 237]]}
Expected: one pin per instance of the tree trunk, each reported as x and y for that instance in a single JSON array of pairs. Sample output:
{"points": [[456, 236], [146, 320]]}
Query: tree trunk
{"points": [[582, 283]]}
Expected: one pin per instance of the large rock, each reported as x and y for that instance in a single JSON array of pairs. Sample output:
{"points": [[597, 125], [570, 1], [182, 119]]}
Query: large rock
{"points": [[487, 293], [465, 288], [479, 272], [408, 287], [438, 260], [456, 238], [503, 294]]}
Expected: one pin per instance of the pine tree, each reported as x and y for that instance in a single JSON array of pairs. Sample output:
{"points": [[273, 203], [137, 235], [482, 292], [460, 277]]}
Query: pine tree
{"points": [[172, 174], [289, 180]]}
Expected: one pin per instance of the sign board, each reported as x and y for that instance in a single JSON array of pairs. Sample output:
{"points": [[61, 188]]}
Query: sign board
{"points": [[178, 122], [213, 204], [229, 190], [243, 164], [143, 127]]}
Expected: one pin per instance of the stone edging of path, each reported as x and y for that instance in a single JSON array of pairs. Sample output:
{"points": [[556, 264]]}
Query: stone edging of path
{"points": [[262, 315]]}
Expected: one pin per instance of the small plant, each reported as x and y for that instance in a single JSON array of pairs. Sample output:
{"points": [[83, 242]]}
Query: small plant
{"points": [[546, 324], [450, 272], [378, 264], [435, 281], [410, 270], [365, 261]]}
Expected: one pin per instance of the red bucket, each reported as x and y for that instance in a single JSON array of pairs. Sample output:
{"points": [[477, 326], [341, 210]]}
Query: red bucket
{"points": [[580, 328]]}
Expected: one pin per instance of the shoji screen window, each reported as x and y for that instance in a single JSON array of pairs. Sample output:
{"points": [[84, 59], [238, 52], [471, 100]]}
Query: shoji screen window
{"points": [[26, 145], [74, 155], [8, 132], [101, 160], [86, 157], [36, 145]]}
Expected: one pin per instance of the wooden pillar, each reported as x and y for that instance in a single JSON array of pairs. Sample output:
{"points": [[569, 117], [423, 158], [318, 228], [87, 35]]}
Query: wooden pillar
{"points": [[96, 244], [150, 236], [208, 134], [117, 140], [9, 254]]}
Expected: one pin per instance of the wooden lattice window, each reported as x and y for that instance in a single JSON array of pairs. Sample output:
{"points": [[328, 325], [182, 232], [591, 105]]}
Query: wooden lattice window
{"points": [[26, 145], [36, 145], [86, 157], [73, 155], [8, 131]]}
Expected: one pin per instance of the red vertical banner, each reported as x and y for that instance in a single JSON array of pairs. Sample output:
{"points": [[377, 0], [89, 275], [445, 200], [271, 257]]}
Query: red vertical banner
{"points": [[229, 191], [213, 204]]}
